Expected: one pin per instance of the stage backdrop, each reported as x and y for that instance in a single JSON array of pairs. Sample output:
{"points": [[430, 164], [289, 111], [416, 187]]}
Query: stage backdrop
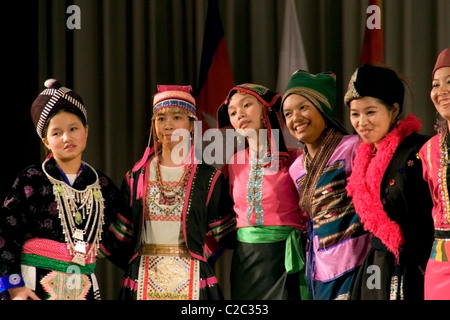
{"points": [[115, 52]]}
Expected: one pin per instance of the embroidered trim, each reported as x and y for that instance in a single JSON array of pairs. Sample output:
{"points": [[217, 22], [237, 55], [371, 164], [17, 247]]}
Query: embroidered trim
{"points": [[315, 168], [168, 278], [443, 186], [254, 192], [62, 286], [11, 281], [161, 249]]}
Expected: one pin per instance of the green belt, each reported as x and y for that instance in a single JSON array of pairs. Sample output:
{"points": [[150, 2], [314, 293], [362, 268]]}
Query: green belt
{"points": [[294, 260], [53, 264]]}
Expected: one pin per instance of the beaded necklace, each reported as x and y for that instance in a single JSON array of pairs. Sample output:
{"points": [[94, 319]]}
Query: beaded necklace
{"points": [[75, 207], [169, 193], [254, 188], [443, 187]]}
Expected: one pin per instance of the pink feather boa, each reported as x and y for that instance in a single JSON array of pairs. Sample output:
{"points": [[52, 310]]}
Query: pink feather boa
{"points": [[364, 184]]}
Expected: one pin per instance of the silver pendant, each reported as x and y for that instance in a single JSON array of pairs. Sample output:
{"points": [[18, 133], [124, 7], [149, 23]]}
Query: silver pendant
{"points": [[78, 234], [80, 246], [79, 258]]}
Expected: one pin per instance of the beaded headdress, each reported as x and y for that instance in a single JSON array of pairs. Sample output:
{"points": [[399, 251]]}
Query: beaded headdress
{"points": [[175, 96], [271, 115], [377, 82]]}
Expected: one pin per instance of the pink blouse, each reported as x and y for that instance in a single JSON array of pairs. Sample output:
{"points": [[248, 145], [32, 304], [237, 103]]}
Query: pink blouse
{"points": [[263, 197]]}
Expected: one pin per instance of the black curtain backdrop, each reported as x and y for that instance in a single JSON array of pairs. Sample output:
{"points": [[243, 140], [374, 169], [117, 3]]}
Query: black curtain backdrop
{"points": [[20, 72]]}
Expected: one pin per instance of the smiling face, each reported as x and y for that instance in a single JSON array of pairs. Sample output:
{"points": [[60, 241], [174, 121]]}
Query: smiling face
{"points": [[372, 119], [440, 92], [304, 121]]}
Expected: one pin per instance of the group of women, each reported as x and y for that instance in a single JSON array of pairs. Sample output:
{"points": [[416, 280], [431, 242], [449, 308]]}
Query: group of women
{"points": [[345, 216]]}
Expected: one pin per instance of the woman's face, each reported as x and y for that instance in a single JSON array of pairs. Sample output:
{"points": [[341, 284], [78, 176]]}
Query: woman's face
{"points": [[440, 92], [303, 119], [66, 136], [372, 119], [245, 112], [166, 125]]}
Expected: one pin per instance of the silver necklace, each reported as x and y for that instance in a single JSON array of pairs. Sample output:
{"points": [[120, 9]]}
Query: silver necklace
{"points": [[74, 207]]}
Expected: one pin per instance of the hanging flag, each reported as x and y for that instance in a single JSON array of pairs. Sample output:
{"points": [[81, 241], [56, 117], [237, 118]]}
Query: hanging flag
{"points": [[215, 81], [292, 56], [373, 48], [216, 76]]}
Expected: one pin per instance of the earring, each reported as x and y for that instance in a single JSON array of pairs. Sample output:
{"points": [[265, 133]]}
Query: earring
{"points": [[240, 139], [441, 124], [264, 122]]}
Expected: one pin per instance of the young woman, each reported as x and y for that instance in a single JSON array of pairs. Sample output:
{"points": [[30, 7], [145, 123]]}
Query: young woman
{"points": [[434, 156], [337, 242], [53, 218], [268, 260], [176, 212], [387, 187]]}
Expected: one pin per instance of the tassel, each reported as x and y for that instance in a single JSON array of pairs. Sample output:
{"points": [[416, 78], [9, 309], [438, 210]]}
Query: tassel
{"points": [[140, 164], [144, 158], [140, 185], [131, 184], [147, 152]]}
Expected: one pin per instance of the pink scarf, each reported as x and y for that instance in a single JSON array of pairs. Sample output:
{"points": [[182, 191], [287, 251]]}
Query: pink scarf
{"points": [[364, 184]]}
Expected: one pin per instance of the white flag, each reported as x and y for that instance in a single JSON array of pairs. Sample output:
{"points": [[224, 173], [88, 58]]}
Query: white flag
{"points": [[292, 57], [292, 54]]}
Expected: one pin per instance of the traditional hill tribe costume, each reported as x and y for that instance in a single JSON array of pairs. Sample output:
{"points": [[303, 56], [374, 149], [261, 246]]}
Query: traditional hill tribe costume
{"points": [[337, 242], [391, 197], [175, 220], [435, 158], [51, 224], [268, 262]]}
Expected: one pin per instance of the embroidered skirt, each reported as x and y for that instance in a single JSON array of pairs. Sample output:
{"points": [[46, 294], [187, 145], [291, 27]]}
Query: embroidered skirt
{"points": [[437, 274], [56, 285], [48, 271], [169, 273]]}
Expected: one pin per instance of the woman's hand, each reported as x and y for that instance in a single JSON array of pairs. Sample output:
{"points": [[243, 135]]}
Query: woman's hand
{"points": [[22, 293]]}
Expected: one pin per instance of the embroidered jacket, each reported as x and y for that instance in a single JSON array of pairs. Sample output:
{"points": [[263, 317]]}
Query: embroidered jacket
{"points": [[390, 195], [208, 219], [430, 154], [29, 211], [434, 156], [337, 240]]}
